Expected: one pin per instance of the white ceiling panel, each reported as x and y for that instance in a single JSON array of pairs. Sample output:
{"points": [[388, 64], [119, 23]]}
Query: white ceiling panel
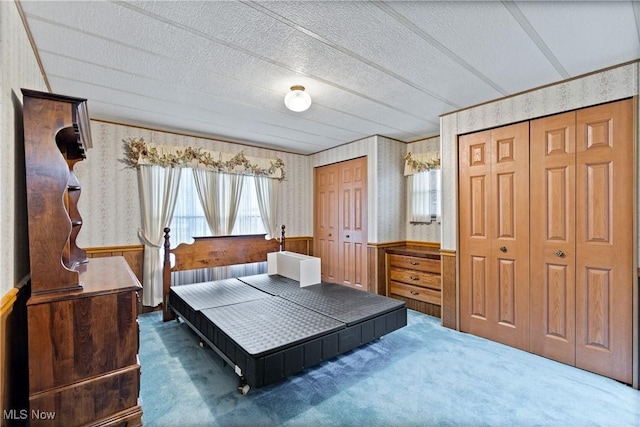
{"points": [[221, 69], [395, 51], [582, 34], [501, 51]]}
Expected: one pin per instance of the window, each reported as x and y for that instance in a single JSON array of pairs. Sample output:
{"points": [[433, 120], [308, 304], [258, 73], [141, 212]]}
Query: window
{"points": [[424, 196], [189, 221], [188, 218]]}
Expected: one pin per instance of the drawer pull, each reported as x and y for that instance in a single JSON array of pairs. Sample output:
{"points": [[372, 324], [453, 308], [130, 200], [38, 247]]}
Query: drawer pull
{"points": [[414, 293], [414, 263], [414, 277]]}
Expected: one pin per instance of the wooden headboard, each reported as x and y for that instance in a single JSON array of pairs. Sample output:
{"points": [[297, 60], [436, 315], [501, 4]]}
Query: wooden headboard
{"points": [[218, 251]]}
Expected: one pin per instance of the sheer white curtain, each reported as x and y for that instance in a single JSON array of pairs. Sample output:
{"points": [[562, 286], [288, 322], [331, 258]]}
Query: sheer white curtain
{"points": [[424, 196], [158, 191], [189, 221], [219, 194], [267, 194]]}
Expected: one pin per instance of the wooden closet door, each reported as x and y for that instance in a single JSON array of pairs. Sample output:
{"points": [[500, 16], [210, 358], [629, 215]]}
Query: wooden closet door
{"points": [[494, 234], [553, 245], [326, 233], [353, 223], [604, 239], [476, 283]]}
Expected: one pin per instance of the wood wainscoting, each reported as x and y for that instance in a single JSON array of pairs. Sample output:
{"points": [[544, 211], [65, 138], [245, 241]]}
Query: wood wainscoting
{"points": [[377, 274], [14, 368], [302, 245], [449, 289], [134, 254]]}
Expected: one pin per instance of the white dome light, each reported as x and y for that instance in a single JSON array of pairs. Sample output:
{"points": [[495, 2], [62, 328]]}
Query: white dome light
{"points": [[297, 100]]}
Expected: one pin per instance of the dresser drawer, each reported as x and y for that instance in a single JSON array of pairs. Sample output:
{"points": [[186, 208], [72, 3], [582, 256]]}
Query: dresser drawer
{"points": [[416, 278], [415, 263], [414, 292]]}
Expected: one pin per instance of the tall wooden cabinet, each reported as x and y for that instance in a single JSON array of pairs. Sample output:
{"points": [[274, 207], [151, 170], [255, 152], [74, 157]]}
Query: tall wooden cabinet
{"points": [[82, 314], [340, 231], [549, 242]]}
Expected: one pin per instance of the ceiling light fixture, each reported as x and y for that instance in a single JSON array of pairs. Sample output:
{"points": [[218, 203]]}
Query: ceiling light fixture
{"points": [[297, 100]]}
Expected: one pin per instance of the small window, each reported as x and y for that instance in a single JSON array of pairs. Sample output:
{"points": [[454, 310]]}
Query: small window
{"points": [[424, 196]]}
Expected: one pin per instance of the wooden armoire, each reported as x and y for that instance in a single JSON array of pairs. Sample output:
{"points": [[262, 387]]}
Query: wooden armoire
{"points": [[546, 241], [82, 313], [340, 230]]}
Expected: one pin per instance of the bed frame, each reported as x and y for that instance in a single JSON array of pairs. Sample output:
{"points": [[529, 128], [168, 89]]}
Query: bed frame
{"points": [[217, 251], [267, 327]]}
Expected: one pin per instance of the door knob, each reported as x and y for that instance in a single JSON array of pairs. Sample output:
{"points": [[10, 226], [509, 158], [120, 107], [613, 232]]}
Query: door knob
{"points": [[503, 249], [559, 253], [348, 236]]}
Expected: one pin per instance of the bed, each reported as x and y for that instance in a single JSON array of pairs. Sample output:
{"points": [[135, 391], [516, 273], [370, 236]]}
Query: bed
{"points": [[268, 327]]}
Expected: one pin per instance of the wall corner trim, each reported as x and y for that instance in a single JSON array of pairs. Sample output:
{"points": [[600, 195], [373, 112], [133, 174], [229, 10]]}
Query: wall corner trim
{"points": [[8, 300]]}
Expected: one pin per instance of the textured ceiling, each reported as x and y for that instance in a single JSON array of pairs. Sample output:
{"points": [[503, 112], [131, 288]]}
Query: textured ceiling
{"points": [[221, 69]]}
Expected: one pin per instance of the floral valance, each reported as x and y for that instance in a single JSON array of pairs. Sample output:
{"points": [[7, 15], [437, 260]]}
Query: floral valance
{"points": [[139, 152], [414, 163]]}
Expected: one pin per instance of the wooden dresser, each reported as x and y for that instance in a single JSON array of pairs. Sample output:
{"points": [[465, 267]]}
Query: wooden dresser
{"points": [[413, 276], [82, 313], [83, 349]]}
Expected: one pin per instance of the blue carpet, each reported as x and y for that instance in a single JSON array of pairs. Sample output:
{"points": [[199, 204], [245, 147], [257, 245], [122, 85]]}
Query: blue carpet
{"points": [[420, 375]]}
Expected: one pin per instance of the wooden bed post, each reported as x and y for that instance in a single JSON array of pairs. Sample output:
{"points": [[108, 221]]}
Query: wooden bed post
{"points": [[213, 251], [166, 278]]}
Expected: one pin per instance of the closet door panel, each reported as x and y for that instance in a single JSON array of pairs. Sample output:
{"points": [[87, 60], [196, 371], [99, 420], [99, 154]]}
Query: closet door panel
{"points": [[494, 226], [353, 226], [552, 259], [477, 314], [326, 222], [510, 229], [604, 241]]}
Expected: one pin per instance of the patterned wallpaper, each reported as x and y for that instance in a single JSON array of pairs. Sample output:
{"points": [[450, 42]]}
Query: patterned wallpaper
{"points": [[19, 70], [609, 85], [109, 201], [110, 207], [386, 205], [391, 189], [110, 189]]}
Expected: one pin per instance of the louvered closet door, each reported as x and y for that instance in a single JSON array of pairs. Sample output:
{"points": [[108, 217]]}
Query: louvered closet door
{"points": [[494, 233], [326, 234], [604, 239], [553, 245]]}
